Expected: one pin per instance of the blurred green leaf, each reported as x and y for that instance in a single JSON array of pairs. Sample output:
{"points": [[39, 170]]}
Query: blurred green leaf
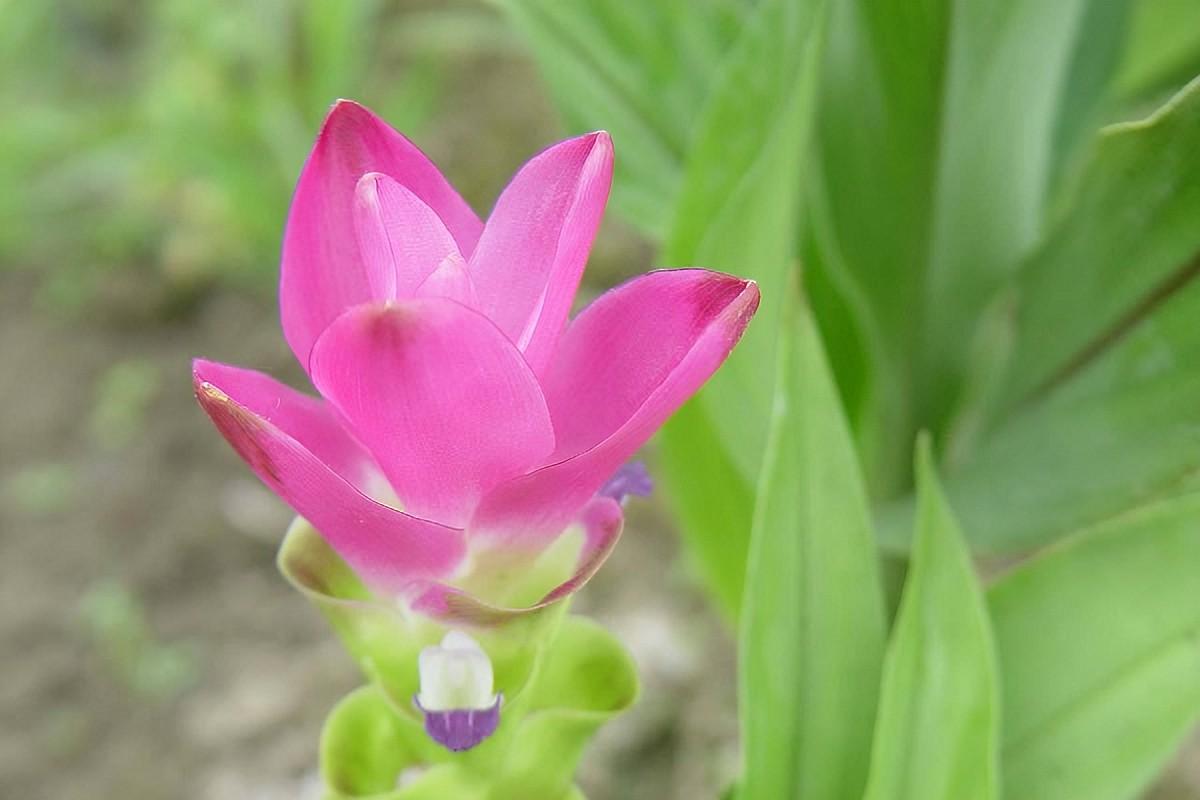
{"points": [[1010, 64], [1129, 237], [1164, 47], [712, 501], [739, 203], [938, 134], [1088, 88], [639, 70], [812, 626], [1099, 647], [738, 212], [937, 735], [852, 340], [1123, 433], [1110, 420], [1102, 419]]}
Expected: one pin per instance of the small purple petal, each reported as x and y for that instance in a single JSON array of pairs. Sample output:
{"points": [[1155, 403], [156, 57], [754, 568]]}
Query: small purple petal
{"points": [[632, 478], [461, 729]]}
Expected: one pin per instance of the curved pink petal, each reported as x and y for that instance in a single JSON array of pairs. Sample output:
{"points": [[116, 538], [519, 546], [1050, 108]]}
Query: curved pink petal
{"points": [[451, 281], [321, 272], [532, 252], [286, 438], [602, 521], [440, 397], [401, 240], [308, 419], [622, 368]]}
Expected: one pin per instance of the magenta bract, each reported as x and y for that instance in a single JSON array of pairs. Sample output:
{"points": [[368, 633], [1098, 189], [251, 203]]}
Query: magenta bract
{"points": [[461, 412]]}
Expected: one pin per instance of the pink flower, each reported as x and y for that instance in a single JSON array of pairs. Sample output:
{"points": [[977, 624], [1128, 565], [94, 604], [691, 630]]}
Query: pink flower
{"points": [[463, 418]]}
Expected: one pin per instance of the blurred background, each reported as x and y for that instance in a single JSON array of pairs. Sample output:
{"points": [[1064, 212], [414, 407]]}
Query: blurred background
{"points": [[147, 155]]}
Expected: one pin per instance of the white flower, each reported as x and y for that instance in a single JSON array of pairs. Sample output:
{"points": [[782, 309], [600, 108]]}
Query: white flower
{"points": [[455, 675]]}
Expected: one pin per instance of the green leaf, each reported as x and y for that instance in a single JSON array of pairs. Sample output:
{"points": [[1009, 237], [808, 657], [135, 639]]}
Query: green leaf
{"points": [[1086, 95], [1099, 644], [740, 199], [1164, 46], [813, 620], [872, 397], [639, 70], [1123, 434], [1111, 413], [1130, 236], [737, 212], [939, 127], [711, 500], [1118, 422], [937, 735], [997, 148]]}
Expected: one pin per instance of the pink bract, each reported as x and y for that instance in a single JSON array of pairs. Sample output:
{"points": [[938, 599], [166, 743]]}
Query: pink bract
{"points": [[461, 411]]}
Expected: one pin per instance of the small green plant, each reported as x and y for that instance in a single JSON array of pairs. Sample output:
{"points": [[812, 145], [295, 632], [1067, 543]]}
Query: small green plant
{"points": [[115, 622], [123, 396], [170, 133]]}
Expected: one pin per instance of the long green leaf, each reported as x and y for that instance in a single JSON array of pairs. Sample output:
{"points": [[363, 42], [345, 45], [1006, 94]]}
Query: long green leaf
{"points": [[1108, 331], [1164, 46], [940, 122], [1088, 90], [813, 620], [711, 500], [739, 202], [1011, 63], [1131, 234], [937, 737], [1122, 434], [1099, 646], [737, 212], [872, 393]]}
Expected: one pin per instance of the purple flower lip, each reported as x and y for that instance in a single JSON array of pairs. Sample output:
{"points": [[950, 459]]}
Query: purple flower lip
{"points": [[461, 728], [631, 479]]}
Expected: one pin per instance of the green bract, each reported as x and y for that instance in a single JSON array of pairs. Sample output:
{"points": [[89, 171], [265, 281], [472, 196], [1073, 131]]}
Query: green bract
{"points": [[562, 678]]}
